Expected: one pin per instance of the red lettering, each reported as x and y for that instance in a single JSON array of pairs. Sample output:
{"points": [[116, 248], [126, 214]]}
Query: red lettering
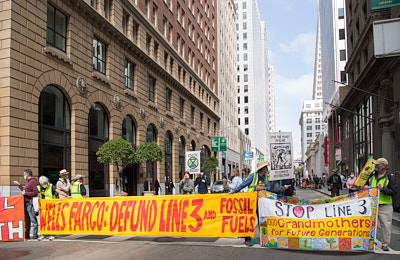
{"points": [[241, 224], [65, 205], [114, 219], [121, 215], [72, 213], [85, 215], [130, 203], [225, 221], [198, 203], [184, 215], [162, 221], [223, 200], [93, 224], [134, 226], [152, 215]]}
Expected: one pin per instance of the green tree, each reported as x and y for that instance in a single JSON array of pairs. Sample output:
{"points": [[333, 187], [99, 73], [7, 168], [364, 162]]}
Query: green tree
{"points": [[148, 152], [118, 152], [210, 164]]}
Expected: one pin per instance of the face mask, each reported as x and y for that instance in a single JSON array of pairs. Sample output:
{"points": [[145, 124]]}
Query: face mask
{"points": [[378, 168], [26, 177], [187, 177], [45, 185], [351, 175]]}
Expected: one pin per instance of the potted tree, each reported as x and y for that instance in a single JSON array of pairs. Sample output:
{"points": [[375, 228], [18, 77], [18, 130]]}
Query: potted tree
{"points": [[148, 152], [210, 164], [120, 153]]}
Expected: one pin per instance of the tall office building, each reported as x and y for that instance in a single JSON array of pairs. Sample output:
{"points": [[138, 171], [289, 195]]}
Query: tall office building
{"points": [[271, 97], [251, 75], [227, 87], [334, 54], [78, 73]]}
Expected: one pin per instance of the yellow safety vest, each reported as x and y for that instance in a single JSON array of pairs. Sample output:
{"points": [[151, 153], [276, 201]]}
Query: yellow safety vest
{"points": [[76, 190], [383, 199], [48, 192]]}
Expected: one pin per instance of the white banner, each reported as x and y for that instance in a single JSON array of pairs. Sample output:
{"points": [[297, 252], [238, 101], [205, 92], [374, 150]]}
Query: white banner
{"points": [[281, 145], [193, 162], [275, 208]]}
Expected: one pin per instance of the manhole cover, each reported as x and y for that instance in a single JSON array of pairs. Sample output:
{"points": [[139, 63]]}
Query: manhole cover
{"points": [[168, 239], [12, 254]]}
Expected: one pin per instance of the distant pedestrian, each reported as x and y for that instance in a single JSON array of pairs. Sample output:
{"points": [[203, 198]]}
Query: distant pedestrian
{"points": [[385, 181], [202, 181], [350, 183], [323, 179], [78, 190], [236, 181], [29, 192], [186, 186], [157, 187], [336, 183], [63, 183], [171, 186]]}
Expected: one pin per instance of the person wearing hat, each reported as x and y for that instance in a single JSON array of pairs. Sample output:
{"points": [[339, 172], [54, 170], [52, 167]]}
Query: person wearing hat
{"points": [[63, 183], [255, 182], [383, 179], [336, 183], [77, 188]]}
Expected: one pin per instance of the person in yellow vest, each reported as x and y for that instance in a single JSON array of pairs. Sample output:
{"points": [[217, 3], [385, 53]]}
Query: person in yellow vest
{"points": [[385, 181], [77, 188], [255, 182], [46, 191]]}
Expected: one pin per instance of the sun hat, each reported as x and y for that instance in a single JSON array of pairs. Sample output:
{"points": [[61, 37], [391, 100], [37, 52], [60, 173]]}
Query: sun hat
{"points": [[381, 161], [261, 164], [77, 177], [63, 172]]}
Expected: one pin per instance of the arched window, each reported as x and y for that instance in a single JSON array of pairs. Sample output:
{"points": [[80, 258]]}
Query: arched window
{"points": [[129, 179], [182, 155], [192, 146], [204, 154], [168, 158], [54, 133], [98, 135], [151, 136], [129, 130]]}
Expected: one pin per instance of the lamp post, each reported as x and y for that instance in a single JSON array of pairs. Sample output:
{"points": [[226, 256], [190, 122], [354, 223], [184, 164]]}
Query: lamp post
{"points": [[220, 132]]}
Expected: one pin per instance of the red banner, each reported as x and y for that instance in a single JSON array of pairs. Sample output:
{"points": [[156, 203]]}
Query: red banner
{"points": [[12, 218]]}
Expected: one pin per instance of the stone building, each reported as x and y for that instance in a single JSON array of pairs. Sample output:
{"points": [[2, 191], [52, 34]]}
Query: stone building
{"points": [[366, 122], [77, 73]]}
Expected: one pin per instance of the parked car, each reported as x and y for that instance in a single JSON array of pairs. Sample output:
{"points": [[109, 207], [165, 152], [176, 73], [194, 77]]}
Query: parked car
{"points": [[217, 187]]}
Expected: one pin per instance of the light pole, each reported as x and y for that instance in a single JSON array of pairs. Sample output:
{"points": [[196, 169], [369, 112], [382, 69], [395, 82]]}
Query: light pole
{"points": [[220, 132]]}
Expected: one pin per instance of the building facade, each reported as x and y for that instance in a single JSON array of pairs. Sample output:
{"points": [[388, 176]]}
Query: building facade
{"points": [[227, 88], [79, 73], [250, 75]]}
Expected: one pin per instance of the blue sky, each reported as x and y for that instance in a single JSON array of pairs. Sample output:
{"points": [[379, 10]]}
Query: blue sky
{"points": [[291, 28]]}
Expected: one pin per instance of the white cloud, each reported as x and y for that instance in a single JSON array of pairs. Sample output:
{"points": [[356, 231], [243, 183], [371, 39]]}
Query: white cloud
{"points": [[303, 46], [289, 96]]}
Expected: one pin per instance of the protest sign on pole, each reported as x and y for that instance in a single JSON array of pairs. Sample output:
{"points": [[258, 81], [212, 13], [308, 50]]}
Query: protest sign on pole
{"points": [[12, 222], [193, 162], [281, 145], [366, 171]]}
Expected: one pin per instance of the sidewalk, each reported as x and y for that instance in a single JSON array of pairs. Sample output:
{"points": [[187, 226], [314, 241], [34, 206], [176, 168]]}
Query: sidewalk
{"points": [[396, 215]]}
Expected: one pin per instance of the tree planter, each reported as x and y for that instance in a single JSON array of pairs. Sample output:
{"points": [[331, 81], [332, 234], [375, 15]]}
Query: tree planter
{"points": [[149, 193]]}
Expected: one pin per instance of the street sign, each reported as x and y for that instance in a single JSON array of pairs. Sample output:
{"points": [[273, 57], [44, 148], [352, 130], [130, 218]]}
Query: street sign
{"points": [[260, 159], [214, 144], [379, 4], [248, 156], [222, 144]]}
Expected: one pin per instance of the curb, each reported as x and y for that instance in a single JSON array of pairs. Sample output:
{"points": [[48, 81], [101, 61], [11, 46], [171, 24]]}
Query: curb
{"points": [[395, 218]]}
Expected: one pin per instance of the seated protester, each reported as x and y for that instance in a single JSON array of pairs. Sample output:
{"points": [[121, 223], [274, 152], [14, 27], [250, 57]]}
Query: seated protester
{"points": [[46, 190]]}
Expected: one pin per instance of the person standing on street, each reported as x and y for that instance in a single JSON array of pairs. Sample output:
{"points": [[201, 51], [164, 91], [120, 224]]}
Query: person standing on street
{"points": [[46, 190], [350, 183], [186, 186], [203, 183], [171, 186], [336, 183], [157, 187], [255, 182], [63, 183], [29, 191], [236, 181], [383, 179], [78, 190]]}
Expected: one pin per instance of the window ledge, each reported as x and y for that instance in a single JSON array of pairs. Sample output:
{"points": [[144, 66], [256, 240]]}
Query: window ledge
{"points": [[182, 122], [58, 54], [152, 105], [201, 132], [168, 114], [193, 128], [100, 76], [130, 93]]}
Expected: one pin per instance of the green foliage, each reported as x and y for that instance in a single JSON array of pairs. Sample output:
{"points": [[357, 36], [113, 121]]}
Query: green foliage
{"points": [[210, 164], [117, 151], [148, 152]]}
